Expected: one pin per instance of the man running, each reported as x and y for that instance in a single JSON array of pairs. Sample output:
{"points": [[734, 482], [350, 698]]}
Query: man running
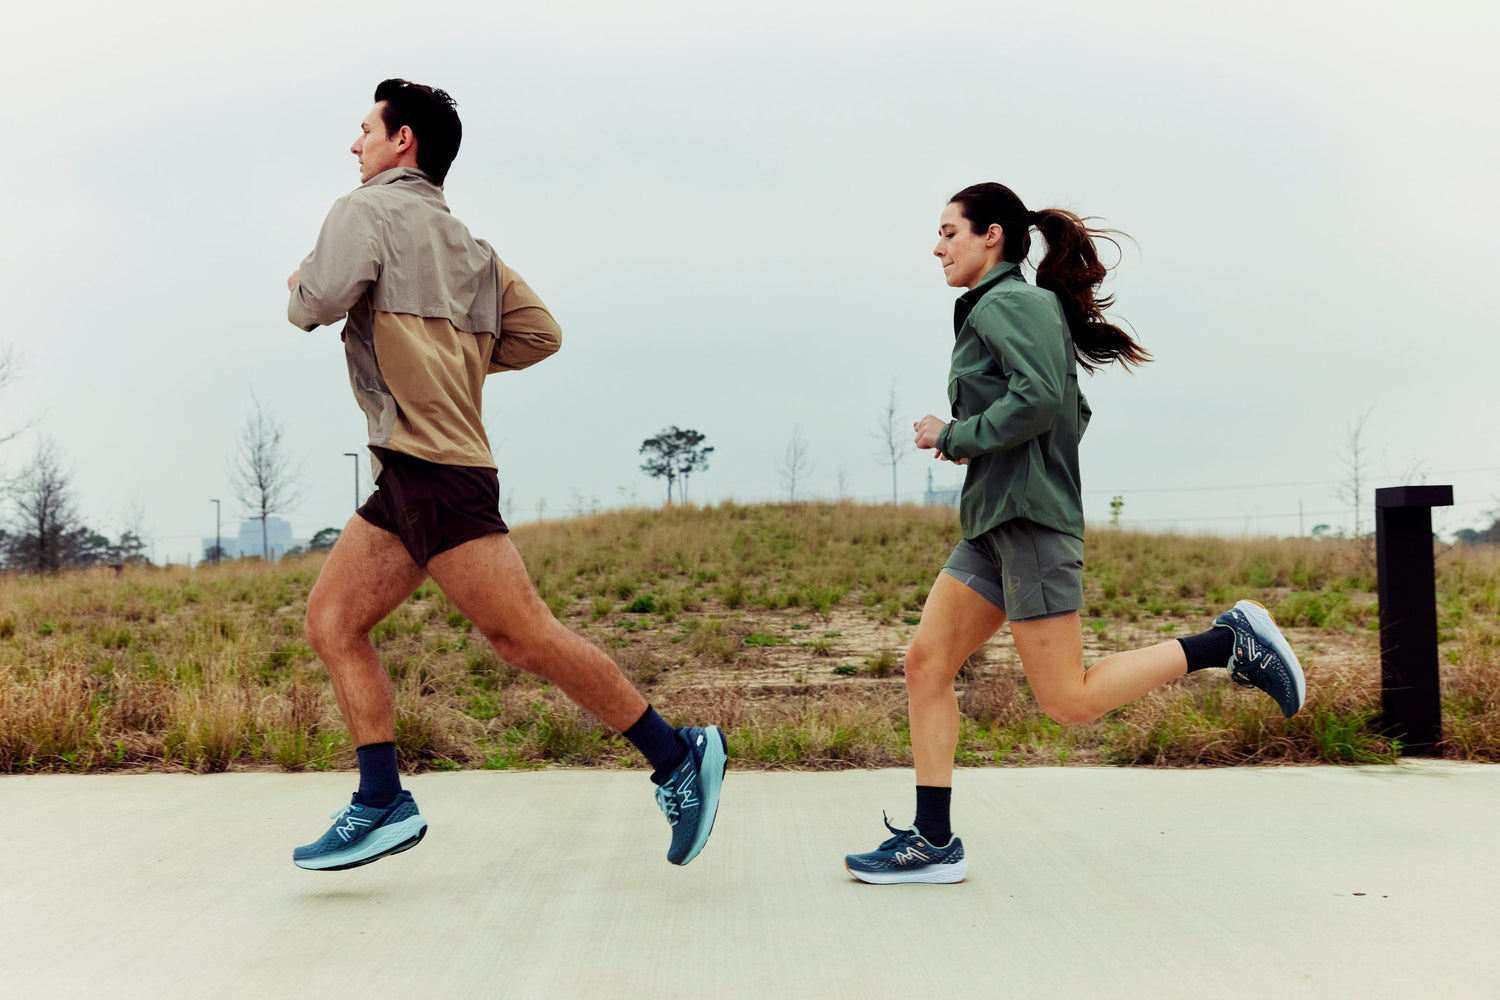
{"points": [[429, 311]]}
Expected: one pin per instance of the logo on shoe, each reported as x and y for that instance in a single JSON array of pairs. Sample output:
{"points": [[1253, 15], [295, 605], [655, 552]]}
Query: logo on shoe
{"points": [[346, 832], [1251, 649], [910, 855], [688, 795]]}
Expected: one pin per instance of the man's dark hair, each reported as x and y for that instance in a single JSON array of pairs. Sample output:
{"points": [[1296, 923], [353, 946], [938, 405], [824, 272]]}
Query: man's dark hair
{"points": [[432, 117]]}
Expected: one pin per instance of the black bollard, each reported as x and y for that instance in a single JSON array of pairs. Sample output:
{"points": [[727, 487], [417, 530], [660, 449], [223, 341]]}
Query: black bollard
{"points": [[1410, 703]]}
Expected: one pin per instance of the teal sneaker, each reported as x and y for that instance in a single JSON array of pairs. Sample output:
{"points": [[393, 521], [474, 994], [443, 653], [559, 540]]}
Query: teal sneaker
{"points": [[910, 857], [361, 834], [690, 797], [1262, 658]]}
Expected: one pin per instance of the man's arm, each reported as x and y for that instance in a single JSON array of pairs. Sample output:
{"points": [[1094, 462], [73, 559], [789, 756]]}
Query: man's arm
{"points": [[343, 264], [527, 333]]}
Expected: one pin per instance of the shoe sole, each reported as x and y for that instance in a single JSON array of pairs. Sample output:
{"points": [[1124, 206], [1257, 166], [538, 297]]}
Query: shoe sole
{"points": [[382, 843], [1267, 631], [711, 774], [939, 874]]}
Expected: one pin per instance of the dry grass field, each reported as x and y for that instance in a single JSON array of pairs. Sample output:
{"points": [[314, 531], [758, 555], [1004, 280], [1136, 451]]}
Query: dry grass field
{"points": [[784, 624]]}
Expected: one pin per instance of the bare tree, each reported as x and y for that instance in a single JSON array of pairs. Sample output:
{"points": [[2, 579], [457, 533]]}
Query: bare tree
{"points": [[1356, 468], [133, 541], [265, 481], [895, 446], [795, 466], [10, 374], [45, 522]]}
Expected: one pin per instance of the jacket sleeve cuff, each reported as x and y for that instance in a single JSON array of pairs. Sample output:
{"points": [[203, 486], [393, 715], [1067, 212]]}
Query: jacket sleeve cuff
{"points": [[944, 437]]}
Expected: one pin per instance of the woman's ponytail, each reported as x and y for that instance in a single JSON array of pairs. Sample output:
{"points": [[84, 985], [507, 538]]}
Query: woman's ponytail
{"points": [[1070, 269]]}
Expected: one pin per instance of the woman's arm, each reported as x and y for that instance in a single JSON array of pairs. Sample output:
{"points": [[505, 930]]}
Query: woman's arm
{"points": [[1025, 334]]}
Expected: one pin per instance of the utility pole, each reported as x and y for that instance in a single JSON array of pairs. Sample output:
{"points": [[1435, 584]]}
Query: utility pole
{"points": [[355, 455], [218, 539]]}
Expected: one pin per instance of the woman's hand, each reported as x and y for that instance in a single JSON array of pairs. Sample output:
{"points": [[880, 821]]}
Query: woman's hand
{"points": [[928, 429]]}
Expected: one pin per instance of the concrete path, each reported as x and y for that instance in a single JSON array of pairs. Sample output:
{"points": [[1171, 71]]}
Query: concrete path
{"points": [[1286, 882]]}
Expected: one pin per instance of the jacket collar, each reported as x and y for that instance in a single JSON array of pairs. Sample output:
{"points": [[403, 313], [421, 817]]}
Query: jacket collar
{"points": [[991, 277], [966, 302], [397, 174]]}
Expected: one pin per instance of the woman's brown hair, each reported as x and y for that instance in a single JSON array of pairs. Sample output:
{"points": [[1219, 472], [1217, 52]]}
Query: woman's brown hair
{"points": [[1070, 269]]}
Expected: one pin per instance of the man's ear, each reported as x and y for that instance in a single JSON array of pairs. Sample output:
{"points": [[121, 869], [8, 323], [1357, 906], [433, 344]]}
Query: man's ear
{"points": [[405, 137]]}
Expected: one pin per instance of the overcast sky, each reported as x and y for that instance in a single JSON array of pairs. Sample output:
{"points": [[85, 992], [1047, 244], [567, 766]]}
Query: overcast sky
{"points": [[731, 213]]}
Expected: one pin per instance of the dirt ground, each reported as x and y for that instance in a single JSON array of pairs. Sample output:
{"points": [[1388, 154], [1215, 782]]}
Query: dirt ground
{"points": [[791, 653]]}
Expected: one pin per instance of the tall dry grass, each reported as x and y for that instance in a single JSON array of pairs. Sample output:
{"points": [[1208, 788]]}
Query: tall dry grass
{"points": [[208, 669]]}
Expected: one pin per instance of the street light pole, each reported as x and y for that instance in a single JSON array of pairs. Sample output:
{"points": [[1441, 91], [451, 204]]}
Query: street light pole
{"points": [[218, 539], [355, 455]]}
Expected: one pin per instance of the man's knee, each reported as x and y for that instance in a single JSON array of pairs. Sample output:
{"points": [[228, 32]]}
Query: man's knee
{"points": [[326, 629], [519, 642]]}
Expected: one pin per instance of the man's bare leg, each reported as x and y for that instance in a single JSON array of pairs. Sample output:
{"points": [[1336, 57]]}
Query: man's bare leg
{"points": [[488, 582], [367, 576]]}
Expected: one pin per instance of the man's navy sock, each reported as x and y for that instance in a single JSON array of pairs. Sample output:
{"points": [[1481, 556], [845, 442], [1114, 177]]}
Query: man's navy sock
{"points": [[1208, 649], [932, 819], [379, 777], [658, 743]]}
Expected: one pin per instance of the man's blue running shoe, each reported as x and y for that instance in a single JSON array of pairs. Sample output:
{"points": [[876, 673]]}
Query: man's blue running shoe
{"points": [[909, 857], [361, 834], [690, 797], [1262, 658]]}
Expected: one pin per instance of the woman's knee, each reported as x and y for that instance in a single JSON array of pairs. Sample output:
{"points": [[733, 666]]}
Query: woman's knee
{"points": [[927, 672], [1067, 709]]}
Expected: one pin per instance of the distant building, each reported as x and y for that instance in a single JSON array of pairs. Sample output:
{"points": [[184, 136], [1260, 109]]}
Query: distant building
{"points": [[248, 543], [939, 498]]}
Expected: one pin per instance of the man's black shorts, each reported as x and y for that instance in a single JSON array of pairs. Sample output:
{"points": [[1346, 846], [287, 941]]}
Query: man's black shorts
{"points": [[433, 508]]}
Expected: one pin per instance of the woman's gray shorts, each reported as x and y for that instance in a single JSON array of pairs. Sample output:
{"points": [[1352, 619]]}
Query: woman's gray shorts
{"points": [[1025, 569]]}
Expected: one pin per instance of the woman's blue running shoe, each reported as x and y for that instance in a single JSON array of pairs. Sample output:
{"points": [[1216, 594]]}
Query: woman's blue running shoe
{"points": [[1261, 656], [909, 857], [690, 797], [361, 834]]}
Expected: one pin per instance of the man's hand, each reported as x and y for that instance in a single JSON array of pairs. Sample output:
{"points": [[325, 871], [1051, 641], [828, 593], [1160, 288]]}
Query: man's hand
{"points": [[291, 283]]}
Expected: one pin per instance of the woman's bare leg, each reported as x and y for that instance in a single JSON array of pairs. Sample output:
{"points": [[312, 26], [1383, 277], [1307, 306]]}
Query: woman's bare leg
{"points": [[955, 622], [1051, 651]]}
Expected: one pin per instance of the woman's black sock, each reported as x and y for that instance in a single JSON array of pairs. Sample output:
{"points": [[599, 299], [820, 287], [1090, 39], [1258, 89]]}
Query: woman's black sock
{"points": [[932, 814], [1209, 649]]}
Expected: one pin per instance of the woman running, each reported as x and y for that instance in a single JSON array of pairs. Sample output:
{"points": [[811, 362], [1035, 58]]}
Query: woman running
{"points": [[1017, 419]]}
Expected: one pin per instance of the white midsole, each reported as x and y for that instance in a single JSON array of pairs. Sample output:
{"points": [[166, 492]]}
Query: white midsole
{"points": [[381, 840], [955, 872]]}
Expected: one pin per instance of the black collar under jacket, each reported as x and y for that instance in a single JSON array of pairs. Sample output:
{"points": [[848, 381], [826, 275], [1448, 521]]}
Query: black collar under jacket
{"points": [[966, 302]]}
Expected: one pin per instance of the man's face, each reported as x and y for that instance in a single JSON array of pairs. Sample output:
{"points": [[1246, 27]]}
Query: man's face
{"points": [[377, 150]]}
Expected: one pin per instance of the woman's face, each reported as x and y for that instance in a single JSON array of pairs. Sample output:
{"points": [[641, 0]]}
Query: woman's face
{"points": [[967, 256]]}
